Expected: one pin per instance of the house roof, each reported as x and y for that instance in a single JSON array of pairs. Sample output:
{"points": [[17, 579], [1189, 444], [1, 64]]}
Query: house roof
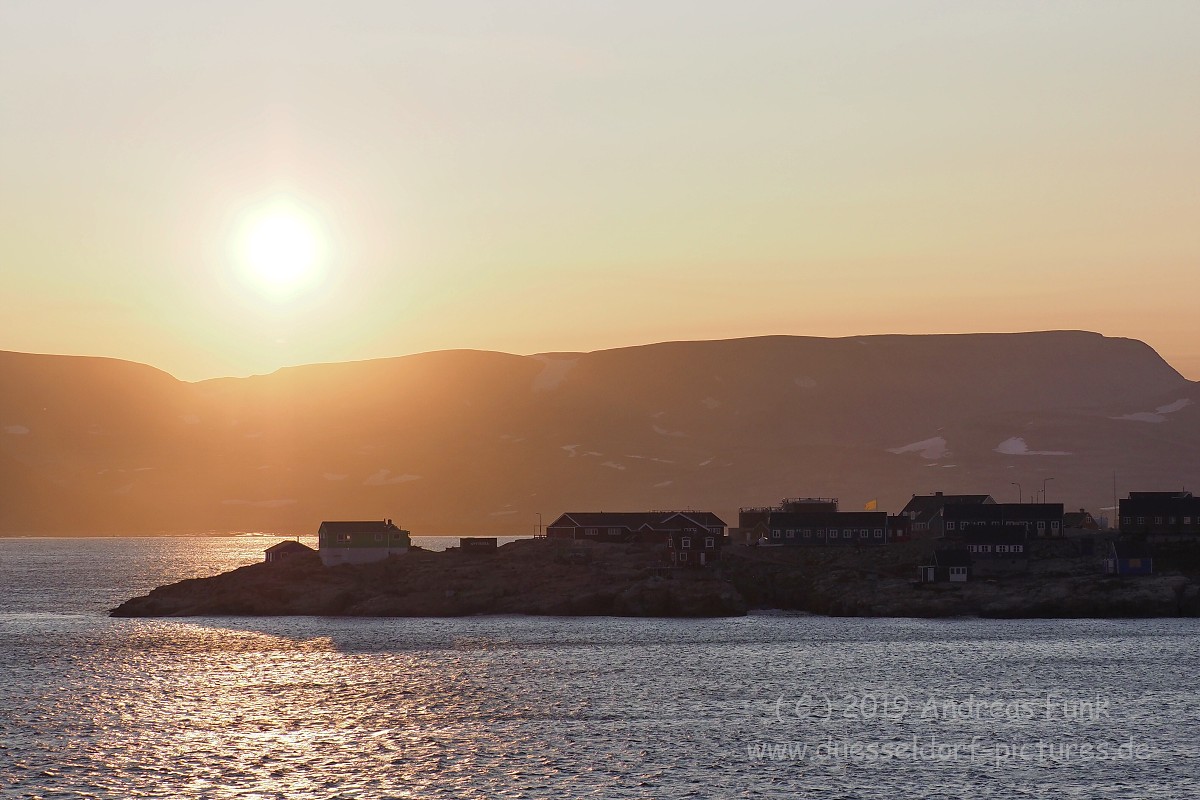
{"points": [[636, 520], [358, 526], [1076, 519], [952, 558], [290, 546], [924, 507], [1132, 550]]}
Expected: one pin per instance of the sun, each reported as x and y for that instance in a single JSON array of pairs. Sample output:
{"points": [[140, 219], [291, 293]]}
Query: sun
{"points": [[280, 249]]}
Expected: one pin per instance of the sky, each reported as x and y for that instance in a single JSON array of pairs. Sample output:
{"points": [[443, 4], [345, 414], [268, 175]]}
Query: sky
{"points": [[225, 188]]}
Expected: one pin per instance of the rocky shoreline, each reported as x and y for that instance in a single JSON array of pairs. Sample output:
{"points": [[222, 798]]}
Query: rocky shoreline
{"points": [[584, 579]]}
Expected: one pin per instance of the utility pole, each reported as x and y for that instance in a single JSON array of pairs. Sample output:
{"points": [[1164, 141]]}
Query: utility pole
{"points": [[1044, 482], [1019, 496]]}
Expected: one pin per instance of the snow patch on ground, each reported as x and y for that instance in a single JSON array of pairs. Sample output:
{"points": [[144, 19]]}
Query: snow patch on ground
{"points": [[554, 372], [1015, 446], [928, 448], [711, 403], [1158, 414], [16, 430], [665, 432], [384, 477], [612, 464], [259, 503], [335, 476]]}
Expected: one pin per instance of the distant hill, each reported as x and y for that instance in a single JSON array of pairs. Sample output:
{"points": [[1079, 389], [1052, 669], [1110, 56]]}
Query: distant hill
{"points": [[480, 442]]}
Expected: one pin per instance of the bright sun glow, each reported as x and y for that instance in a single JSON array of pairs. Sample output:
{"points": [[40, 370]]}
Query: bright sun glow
{"points": [[281, 250]]}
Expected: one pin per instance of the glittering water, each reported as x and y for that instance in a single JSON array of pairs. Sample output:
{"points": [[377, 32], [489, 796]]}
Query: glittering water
{"points": [[764, 706]]}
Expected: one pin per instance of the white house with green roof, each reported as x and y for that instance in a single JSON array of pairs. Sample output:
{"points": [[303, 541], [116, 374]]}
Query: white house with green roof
{"points": [[360, 542]]}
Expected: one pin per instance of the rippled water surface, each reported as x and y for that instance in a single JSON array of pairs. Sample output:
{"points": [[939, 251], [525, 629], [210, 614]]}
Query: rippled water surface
{"points": [[764, 706]]}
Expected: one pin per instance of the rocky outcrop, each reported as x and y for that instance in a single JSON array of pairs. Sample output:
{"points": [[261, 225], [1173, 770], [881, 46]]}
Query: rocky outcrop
{"points": [[586, 579], [523, 577]]}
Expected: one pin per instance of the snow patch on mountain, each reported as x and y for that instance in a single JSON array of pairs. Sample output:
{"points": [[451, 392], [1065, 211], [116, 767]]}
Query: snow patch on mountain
{"points": [[928, 448], [554, 372], [1159, 414], [1015, 446]]}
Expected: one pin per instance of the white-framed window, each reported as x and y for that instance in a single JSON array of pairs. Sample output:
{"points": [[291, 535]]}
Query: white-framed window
{"points": [[863, 533], [776, 533], [1041, 524], [614, 531], [1054, 525], [715, 529], [846, 534], [791, 534], [343, 537], [683, 556], [709, 542], [1141, 520], [1158, 520], [879, 533], [958, 570], [820, 533], [808, 533], [950, 525], [589, 531], [689, 530], [685, 542]]}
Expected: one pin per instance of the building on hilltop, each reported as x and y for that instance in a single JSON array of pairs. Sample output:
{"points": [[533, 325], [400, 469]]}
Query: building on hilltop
{"points": [[691, 550], [360, 542], [1129, 558], [924, 511], [285, 550], [634, 526], [1080, 520], [965, 521], [1160, 516], [816, 521], [949, 566]]}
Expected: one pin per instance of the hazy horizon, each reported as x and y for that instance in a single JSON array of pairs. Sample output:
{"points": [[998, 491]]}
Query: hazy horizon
{"points": [[228, 188]]}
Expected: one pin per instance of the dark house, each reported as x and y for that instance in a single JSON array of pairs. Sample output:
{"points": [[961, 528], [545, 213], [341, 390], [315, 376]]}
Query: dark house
{"points": [[999, 542], [360, 541], [636, 526], [285, 550], [1129, 558], [1161, 516], [1080, 520], [477, 544], [827, 528], [924, 511], [966, 521], [692, 550], [949, 566]]}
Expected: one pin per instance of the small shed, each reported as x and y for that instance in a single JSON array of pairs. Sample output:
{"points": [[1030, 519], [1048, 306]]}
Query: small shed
{"points": [[477, 544], [285, 550], [1129, 558], [953, 566]]}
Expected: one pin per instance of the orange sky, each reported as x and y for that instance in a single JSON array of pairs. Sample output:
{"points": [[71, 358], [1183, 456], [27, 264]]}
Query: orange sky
{"points": [[529, 177]]}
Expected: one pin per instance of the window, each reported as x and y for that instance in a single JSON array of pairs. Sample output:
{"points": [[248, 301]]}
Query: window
{"points": [[950, 525], [1054, 524], [1187, 520], [1001, 548], [791, 534], [808, 533], [820, 533], [614, 531], [715, 529], [864, 533], [1041, 524], [379, 537], [685, 542], [709, 542], [683, 556], [974, 548], [985, 548], [1126, 520], [1158, 520], [1171, 521], [958, 570], [846, 534], [775, 533], [1141, 520], [689, 530], [879, 533], [589, 531], [343, 537]]}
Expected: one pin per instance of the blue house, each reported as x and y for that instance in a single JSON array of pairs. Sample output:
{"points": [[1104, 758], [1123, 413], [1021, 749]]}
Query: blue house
{"points": [[1129, 558]]}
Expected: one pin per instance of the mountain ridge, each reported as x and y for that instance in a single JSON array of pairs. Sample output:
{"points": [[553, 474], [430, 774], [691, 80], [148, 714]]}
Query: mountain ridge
{"points": [[475, 441]]}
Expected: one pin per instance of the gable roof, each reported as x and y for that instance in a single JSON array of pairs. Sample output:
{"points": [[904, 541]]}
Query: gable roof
{"points": [[924, 507], [358, 526], [636, 520], [290, 546]]}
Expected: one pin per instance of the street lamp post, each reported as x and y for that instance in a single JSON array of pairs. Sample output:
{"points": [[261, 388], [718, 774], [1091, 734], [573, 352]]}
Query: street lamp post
{"points": [[1044, 482], [1019, 497]]}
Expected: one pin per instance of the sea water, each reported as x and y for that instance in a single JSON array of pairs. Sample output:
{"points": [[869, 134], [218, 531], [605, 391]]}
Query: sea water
{"points": [[766, 706]]}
